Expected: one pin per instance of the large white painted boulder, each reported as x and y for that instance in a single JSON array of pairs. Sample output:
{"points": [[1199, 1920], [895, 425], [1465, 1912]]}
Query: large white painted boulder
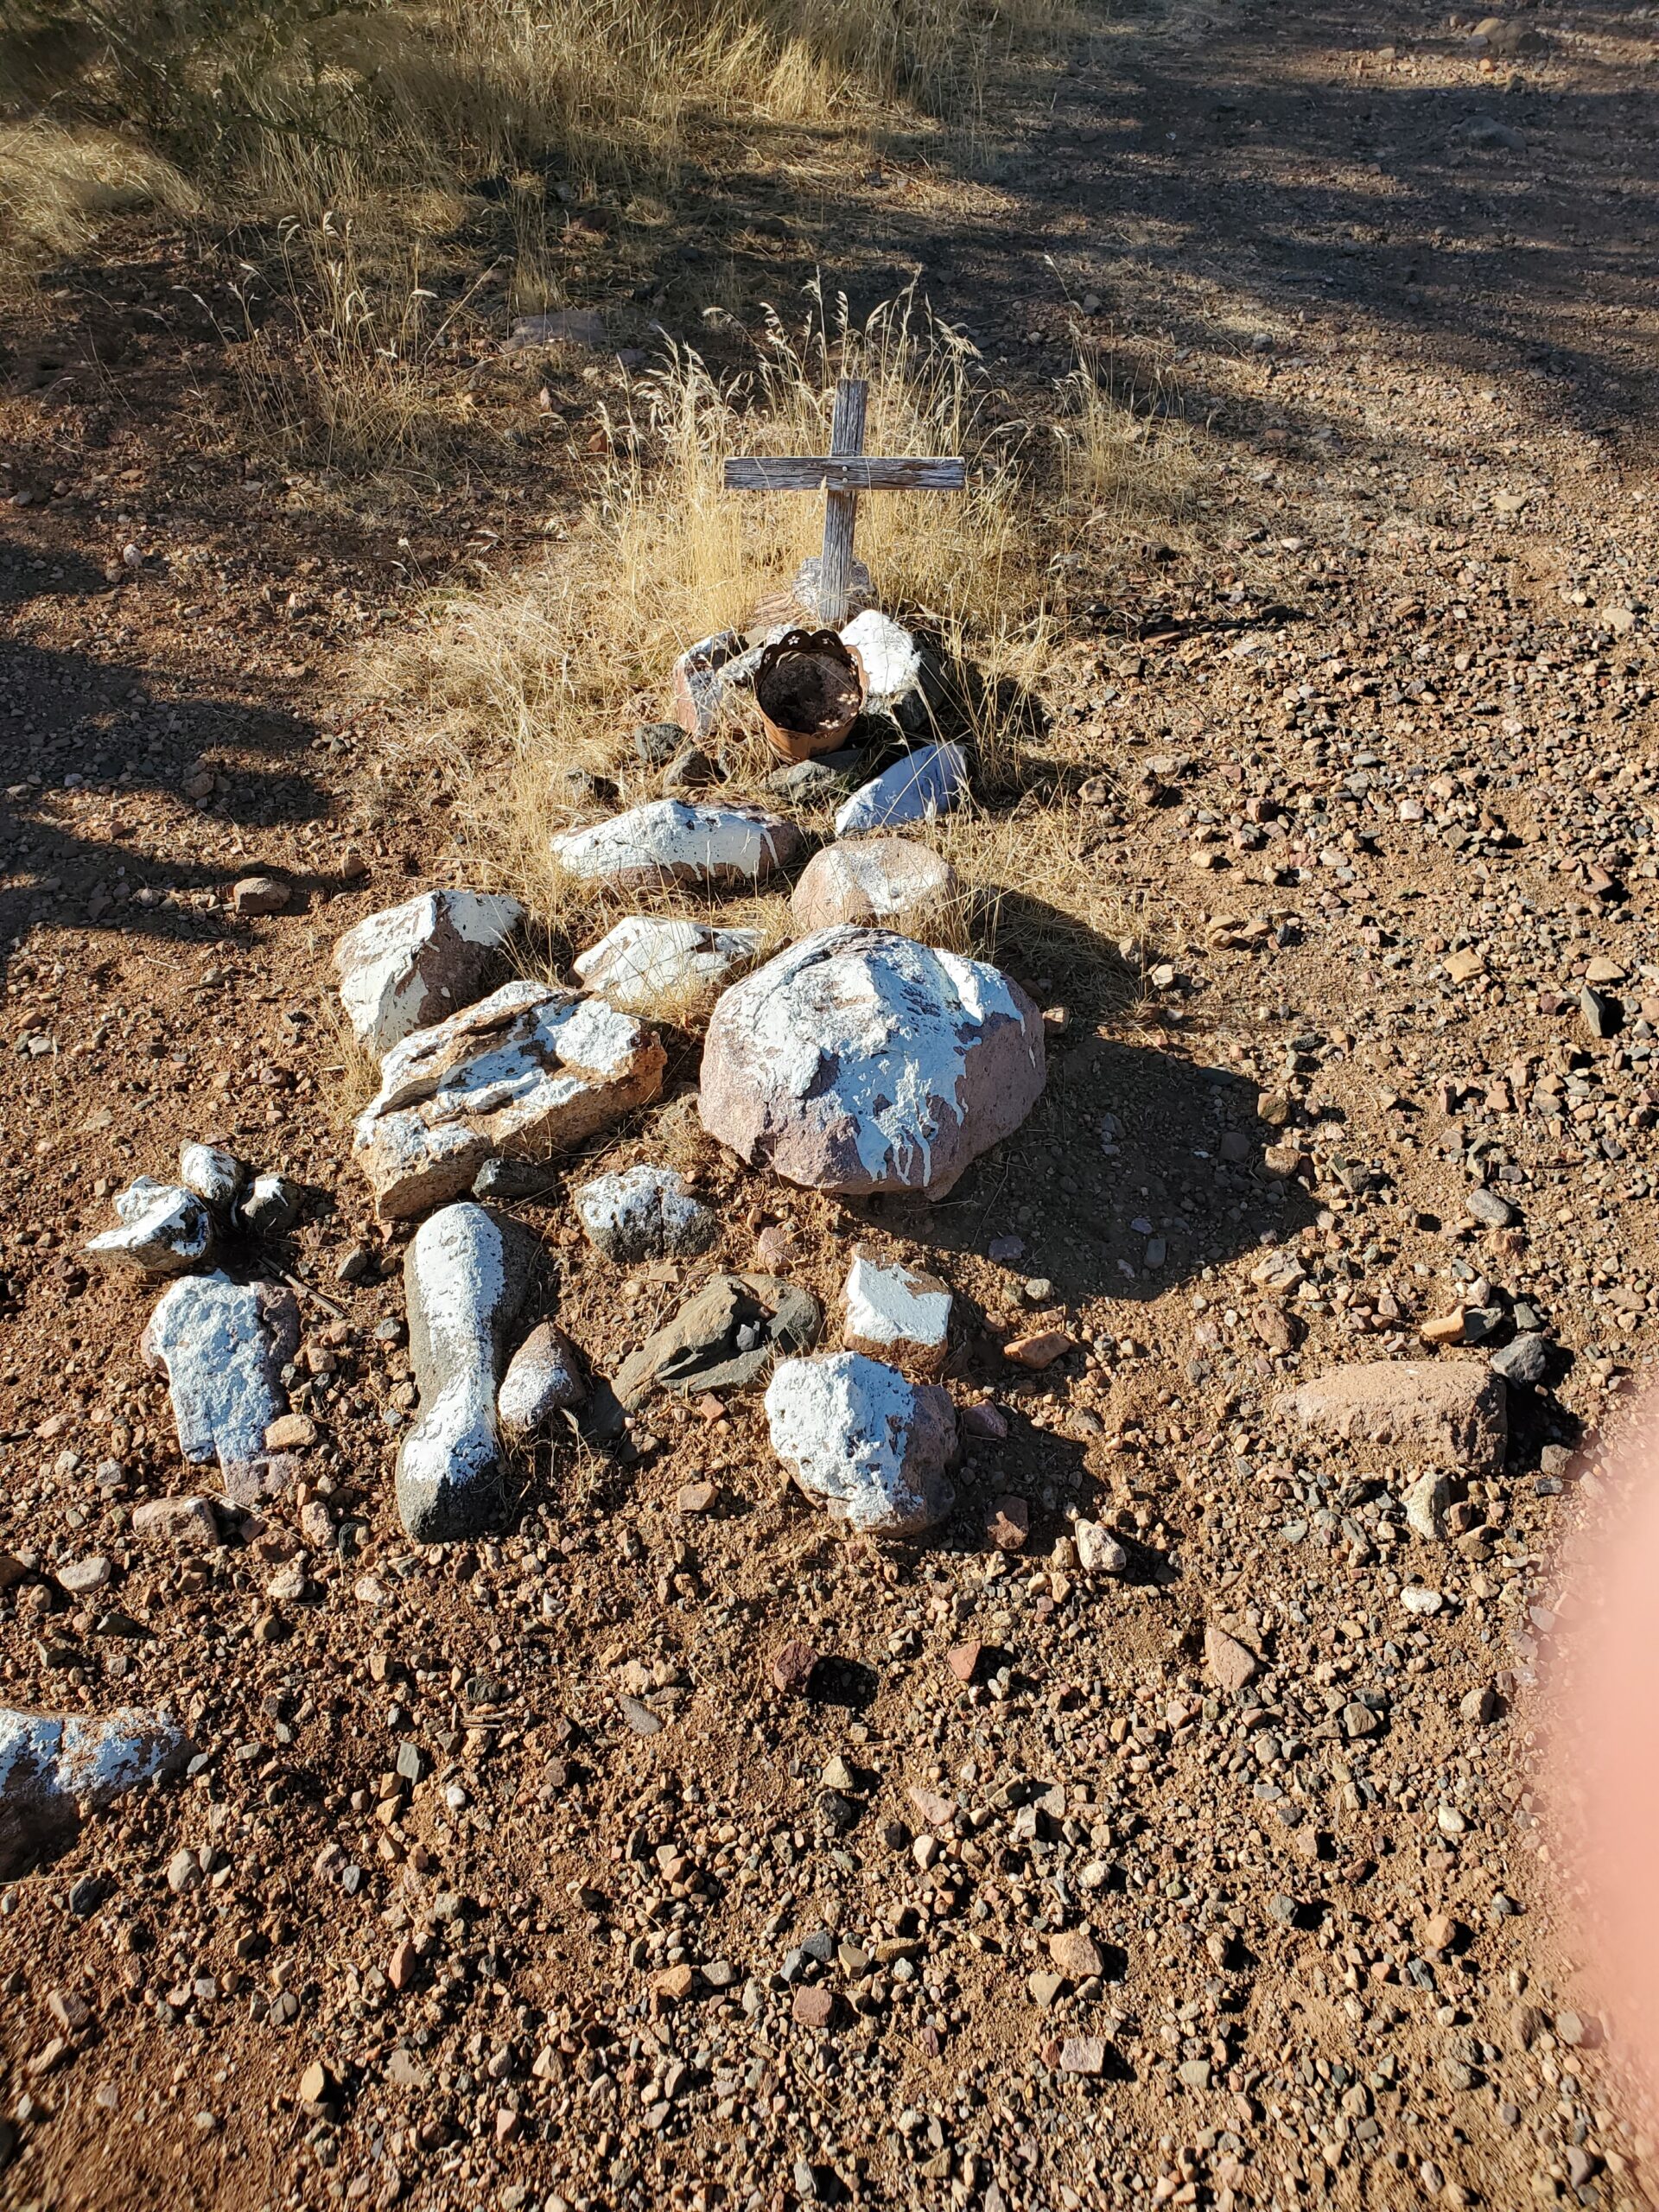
{"points": [[527, 1071], [667, 840], [890, 881], [415, 963], [664, 966], [860, 1061], [863, 1442]]}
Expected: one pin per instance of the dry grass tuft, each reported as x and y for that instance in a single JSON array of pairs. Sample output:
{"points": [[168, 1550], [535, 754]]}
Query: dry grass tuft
{"points": [[58, 186]]}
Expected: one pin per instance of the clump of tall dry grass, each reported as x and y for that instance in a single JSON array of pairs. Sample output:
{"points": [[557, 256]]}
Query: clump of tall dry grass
{"points": [[59, 186], [281, 107]]}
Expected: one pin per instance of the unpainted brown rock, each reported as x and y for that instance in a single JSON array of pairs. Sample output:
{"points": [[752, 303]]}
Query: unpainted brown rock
{"points": [[1451, 1412]]}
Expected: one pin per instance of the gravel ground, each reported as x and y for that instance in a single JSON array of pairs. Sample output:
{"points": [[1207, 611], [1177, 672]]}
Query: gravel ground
{"points": [[1229, 1880]]}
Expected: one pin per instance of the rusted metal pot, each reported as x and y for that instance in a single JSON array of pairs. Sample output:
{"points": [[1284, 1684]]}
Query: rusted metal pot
{"points": [[810, 689]]}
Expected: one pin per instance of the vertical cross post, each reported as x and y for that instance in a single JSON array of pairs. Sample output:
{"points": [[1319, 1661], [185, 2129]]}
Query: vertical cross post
{"points": [[841, 507]]}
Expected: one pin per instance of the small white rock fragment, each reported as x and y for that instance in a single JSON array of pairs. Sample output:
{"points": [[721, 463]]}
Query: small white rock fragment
{"points": [[1426, 1501], [1098, 1550], [864, 1442], [660, 966], [896, 1313], [413, 964], [644, 1212], [892, 658], [215, 1176], [667, 840], [543, 1378], [165, 1230]]}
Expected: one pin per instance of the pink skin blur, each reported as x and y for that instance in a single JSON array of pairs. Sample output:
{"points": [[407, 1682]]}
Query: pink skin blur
{"points": [[1610, 1748]]}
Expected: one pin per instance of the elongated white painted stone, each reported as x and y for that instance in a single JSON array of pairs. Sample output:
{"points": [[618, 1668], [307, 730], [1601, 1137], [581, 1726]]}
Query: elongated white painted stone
{"points": [[51, 1762], [896, 1313], [859, 1060], [667, 840], [223, 1345], [659, 965], [918, 788], [526, 1072], [465, 1276], [864, 1442], [413, 964], [165, 1230]]}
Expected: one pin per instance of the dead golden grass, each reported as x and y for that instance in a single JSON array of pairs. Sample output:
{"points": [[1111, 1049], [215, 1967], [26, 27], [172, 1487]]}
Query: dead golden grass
{"points": [[59, 186]]}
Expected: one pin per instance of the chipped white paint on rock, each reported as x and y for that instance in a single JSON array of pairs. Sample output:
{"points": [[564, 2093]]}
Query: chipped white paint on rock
{"points": [[919, 788], [883, 881], [644, 1213], [543, 1376], [867, 1444], [222, 1345], [214, 1175], [651, 964], [527, 1071], [896, 1313], [413, 964], [859, 1060], [165, 1230], [465, 1276], [50, 1762], [668, 841], [892, 658]]}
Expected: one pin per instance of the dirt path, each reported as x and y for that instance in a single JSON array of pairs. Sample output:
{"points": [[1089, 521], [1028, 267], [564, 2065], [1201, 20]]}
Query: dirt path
{"points": [[1373, 703]]}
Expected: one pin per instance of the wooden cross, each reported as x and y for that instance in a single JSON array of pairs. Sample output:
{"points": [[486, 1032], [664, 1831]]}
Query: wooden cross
{"points": [[841, 473]]}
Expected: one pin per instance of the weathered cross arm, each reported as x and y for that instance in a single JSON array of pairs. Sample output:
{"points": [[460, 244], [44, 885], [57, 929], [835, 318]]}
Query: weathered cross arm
{"points": [[857, 472]]}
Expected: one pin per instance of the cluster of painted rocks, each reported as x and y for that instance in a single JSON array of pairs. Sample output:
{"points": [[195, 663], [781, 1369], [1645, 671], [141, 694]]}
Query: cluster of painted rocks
{"points": [[171, 1229]]}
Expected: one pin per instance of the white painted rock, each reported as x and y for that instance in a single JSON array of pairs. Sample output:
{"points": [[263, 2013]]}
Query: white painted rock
{"points": [[527, 1071], [223, 1345], [52, 1763], [925, 783], [654, 965], [214, 1176], [165, 1230], [896, 1313], [859, 1060], [415, 963], [880, 880], [666, 841], [1098, 1550], [644, 1213], [465, 1276], [543, 1375], [863, 1442], [892, 658]]}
